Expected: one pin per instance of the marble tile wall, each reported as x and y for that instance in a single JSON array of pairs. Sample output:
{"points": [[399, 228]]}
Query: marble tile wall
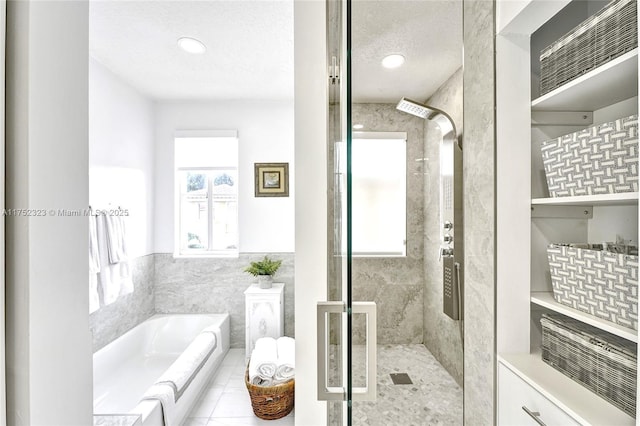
{"points": [[216, 285], [163, 284], [395, 284], [441, 333], [479, 206], [112, 321]]}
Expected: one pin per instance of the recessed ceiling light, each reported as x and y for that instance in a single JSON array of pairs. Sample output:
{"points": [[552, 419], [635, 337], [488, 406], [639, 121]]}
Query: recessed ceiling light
{"points": [[191, 45], [358, 126], [393, 61]]}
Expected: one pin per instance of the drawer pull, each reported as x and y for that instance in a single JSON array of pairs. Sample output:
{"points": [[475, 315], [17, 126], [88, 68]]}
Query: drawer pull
{"points": [[534, 415]]}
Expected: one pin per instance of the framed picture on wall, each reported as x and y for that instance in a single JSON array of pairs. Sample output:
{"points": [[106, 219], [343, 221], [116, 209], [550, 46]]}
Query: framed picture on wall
{"points": [[272, 179]]}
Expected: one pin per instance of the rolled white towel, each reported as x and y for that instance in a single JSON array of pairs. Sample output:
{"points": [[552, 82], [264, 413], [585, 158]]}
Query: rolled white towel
{"points": [[284, 373], [266, 345], [163, 393], [183, 370], [261, 381], [263, 363], [286, 359]]}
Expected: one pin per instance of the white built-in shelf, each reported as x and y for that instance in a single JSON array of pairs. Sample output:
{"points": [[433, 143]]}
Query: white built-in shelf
{"points": [[620, 199], [608, 84], [577, 401], [546, 300]]}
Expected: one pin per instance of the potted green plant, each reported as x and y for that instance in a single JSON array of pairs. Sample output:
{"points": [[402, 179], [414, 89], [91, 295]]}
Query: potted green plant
{"points": [[264, 269]]}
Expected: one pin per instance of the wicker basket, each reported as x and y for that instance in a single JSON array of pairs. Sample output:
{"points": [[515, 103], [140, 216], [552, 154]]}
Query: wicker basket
{"points": [[271, 402], [598, 160], [597, 282], [608, 34], [601, 362]]}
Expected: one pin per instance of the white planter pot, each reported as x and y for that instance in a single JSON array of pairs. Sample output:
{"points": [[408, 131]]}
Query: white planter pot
{"points": [[265, 281]]}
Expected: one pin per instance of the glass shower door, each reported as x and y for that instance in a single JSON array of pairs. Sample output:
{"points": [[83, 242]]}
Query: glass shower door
{"points": [[416, 279], [335, 316], [332, 321]]}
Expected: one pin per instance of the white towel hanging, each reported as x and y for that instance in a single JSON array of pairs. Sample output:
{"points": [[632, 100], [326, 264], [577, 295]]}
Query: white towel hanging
{"points": [[115, 279], [94, 265]]}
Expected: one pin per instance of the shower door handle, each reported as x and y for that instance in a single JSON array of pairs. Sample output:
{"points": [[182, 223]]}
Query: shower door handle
{"points": [[326, 392], [368, 392], [335, 393]]}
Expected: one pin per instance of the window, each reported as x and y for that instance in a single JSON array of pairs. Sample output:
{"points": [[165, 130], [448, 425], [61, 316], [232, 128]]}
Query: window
{"points": [[207, 193], [378, 168]]}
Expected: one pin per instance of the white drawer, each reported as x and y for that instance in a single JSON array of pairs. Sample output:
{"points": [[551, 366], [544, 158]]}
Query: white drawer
{"points": [[514, 394]]}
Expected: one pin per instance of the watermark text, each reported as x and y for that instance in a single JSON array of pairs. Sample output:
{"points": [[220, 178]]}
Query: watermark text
{"points": [[64, 212]]}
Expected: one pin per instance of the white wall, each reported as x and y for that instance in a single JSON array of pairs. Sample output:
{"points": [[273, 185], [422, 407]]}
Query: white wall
{"points": [[509, 16], [121, 146], [311, 105], [49, 356], [513, 231], [265, 134]]}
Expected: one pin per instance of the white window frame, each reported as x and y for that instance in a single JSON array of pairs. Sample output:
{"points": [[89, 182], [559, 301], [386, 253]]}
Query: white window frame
{"points": [[199, 253]]}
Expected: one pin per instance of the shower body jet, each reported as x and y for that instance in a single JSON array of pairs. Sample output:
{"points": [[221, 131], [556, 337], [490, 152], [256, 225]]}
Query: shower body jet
{"points": [[451, 219]]}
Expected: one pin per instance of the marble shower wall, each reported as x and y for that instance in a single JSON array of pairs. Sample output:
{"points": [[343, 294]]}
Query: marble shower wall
{"points": [[112, 321], [217, 285], [396, 284], [479, 206], [441, 333]]}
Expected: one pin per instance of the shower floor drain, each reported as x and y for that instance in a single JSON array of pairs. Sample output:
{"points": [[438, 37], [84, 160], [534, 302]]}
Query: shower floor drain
{"points": [[400, 379]]}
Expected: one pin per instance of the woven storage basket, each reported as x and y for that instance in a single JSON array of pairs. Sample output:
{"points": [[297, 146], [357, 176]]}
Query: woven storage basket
{"points": [[597, 282], [598, 160], [601, 362], [610, 33], [271, 402]]}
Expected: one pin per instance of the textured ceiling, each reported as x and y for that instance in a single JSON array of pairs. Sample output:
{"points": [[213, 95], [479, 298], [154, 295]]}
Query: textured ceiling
{"points": [[250, 47], [427, 33]]}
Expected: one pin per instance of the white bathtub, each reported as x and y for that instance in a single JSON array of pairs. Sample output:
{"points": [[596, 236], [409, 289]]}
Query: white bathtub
{"points": [[125, 368]]}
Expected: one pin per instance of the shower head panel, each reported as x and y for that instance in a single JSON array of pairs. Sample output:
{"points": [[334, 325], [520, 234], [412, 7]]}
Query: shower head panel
{"points": [[451, 219], [442, 119], [413, 108]]}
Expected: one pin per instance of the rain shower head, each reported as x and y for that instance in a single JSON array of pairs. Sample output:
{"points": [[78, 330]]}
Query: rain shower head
{"points": [[443, 120], [414, 108]]}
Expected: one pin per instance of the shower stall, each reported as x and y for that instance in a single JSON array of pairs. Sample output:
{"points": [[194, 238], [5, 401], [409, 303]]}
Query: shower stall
{"points": [[390, 335]]}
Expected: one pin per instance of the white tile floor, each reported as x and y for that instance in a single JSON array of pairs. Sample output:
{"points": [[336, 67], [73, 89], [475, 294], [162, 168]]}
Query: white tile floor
{"points": [[226, 401], [433, 399]]}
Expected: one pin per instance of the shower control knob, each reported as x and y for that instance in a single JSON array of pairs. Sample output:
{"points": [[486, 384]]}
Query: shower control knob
{"points": [[445, 252], [448, 238], [447, 225]]}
